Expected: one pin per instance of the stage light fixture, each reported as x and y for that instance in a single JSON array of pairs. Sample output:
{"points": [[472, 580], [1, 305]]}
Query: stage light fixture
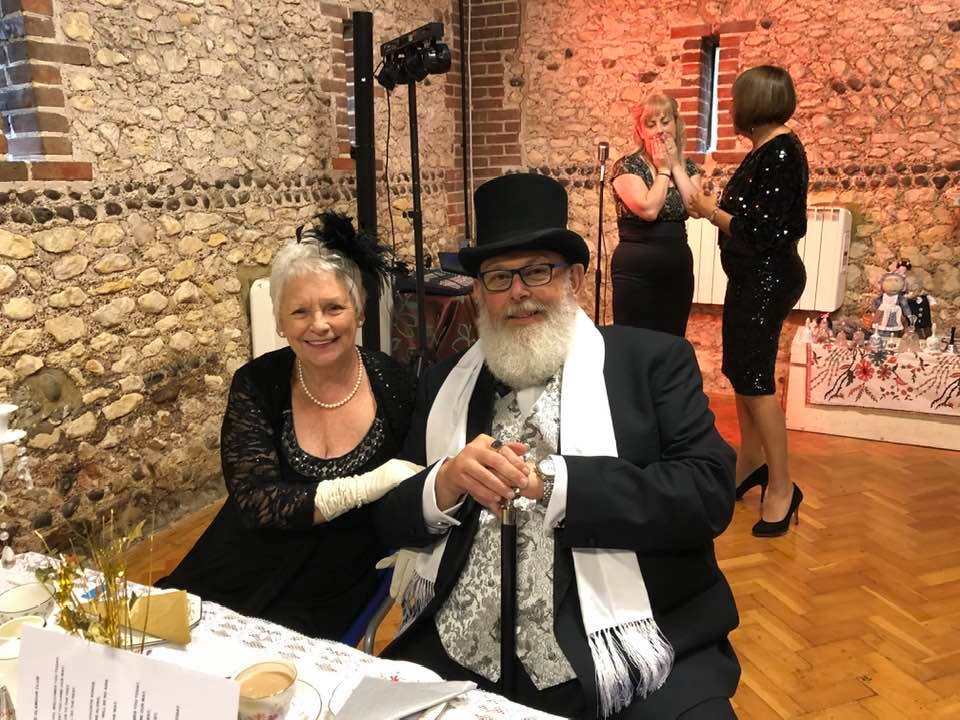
{"points": [[411, 57], [436, 58]]}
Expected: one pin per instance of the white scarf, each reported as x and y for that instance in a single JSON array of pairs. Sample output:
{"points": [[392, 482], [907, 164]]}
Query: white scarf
{"points": [[631, 657]]}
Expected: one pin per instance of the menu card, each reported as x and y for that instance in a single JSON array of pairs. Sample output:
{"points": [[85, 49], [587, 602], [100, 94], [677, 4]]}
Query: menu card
{"points": [[62, 677]]}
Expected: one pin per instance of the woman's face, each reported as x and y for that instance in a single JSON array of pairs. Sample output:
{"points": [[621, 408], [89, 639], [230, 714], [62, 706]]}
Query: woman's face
{"points": [[318, 318], [657, 123]]}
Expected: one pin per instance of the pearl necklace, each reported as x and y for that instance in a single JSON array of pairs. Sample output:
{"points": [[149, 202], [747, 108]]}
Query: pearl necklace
{"points": [[348, 398]]}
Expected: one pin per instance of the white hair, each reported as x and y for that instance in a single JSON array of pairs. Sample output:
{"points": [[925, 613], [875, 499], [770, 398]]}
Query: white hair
{"points": [[296, 259], [527, 356]]}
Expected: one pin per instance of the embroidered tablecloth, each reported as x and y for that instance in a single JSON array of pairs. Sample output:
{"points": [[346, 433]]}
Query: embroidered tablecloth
{"points": [[868, 378], [224, 642]]}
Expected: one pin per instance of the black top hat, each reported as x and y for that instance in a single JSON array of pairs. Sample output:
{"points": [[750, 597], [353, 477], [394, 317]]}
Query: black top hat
{"points": [[522, 212]]}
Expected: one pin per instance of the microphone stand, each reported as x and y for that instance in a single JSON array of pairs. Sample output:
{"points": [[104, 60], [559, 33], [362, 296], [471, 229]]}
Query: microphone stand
{"points": [[598, 275], [508, 600]]}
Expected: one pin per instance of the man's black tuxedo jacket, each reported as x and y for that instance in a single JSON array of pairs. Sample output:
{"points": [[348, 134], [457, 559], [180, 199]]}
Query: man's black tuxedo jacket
{"points": [[667, 496]]}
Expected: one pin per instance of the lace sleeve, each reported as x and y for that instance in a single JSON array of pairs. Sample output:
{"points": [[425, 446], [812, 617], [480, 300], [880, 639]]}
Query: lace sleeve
{"points": [[251, 465]]}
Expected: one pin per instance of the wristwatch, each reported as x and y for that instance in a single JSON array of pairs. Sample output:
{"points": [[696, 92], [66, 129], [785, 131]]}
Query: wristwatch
{"points": [[547, 474]]}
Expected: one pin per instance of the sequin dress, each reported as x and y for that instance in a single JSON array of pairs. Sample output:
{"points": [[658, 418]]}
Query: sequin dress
{"points": [[652, 267], [767, 197], [262, 555]]}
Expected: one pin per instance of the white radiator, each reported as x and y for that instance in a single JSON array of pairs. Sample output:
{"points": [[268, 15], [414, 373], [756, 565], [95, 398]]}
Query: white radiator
{"points": [[824, 251], [263, 328]]}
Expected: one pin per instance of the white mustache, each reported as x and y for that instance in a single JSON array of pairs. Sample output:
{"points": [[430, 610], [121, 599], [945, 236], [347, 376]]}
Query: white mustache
{"points": [[524, 307]]}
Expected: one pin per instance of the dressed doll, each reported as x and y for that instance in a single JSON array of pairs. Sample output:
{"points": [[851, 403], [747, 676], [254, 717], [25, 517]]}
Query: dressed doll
{"points": [[920, 305], [892, 313]]}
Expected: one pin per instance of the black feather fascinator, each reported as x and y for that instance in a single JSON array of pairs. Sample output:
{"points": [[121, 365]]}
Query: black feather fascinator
{"points": [[337, 233]]}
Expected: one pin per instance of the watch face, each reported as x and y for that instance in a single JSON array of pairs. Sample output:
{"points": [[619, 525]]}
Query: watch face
{"points": [[546, 466]]}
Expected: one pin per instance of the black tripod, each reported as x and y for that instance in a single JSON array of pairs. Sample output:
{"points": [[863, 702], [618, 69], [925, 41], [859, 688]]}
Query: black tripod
{"points": [[416, 217]]}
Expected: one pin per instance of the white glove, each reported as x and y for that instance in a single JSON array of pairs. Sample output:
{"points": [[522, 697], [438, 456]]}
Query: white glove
{"points": [[404, 564], [335, 497]]}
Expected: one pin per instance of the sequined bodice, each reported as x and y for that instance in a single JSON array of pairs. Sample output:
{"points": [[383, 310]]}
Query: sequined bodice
{"points": [[767, 197], [353, 463]]}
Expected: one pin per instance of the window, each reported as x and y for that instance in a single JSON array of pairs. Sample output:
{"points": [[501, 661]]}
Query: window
{"points": [[709, 97]]}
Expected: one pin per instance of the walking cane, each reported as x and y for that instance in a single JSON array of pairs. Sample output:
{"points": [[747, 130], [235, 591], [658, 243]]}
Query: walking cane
{"points": [[508, 592], [508, 599]]}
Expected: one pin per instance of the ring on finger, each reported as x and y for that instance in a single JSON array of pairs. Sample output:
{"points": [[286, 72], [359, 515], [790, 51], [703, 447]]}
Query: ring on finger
{"points": [[496, 445]]}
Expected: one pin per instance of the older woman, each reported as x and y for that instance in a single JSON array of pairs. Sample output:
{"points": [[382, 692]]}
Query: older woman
{"points": [[652, 267], [306, 434], [761, 215]]}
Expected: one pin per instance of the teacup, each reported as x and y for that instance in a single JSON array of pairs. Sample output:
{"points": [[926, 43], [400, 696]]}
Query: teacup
{"points": [[266, 689], [29, 599]]}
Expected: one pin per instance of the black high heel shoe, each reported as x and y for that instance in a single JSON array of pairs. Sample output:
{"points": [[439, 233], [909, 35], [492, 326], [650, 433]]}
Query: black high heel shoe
{"points": [[764, 528], [757, 477]]}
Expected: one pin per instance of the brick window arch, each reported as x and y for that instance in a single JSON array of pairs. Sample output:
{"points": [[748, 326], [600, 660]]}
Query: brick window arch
{"points": [[697, 85]]}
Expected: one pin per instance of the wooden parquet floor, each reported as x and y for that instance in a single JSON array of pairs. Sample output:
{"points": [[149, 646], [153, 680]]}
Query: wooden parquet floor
{"points": [[853, 615]]}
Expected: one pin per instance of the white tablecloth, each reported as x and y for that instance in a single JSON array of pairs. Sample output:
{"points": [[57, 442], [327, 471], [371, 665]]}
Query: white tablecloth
{"points": [[225, 642]]}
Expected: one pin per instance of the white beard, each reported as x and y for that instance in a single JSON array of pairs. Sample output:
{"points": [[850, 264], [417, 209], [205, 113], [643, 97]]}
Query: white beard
{"points": [[527, 356]]}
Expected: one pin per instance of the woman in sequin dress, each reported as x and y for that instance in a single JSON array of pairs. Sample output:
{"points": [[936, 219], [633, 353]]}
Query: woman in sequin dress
{"points": [[305, 428], [761, 215], [652, 267]]}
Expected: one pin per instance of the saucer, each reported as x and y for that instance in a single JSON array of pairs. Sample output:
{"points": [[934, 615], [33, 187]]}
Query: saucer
{"points": [[306, 703]]}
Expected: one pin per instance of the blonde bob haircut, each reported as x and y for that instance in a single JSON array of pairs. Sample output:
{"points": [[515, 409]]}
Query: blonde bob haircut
{"points": [[310, 256], [660, 103], [762, 95]]}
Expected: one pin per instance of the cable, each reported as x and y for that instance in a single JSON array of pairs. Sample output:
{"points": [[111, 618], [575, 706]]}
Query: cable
{"points": [[386, 180]]}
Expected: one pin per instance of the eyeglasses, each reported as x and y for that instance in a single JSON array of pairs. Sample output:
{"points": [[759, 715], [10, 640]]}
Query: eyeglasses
{"points": [[531, 275]]}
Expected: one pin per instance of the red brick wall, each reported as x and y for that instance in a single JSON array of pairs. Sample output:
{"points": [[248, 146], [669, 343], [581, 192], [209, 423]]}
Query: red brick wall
{"points": [[693, 94], [494, 41], [32, 98]]}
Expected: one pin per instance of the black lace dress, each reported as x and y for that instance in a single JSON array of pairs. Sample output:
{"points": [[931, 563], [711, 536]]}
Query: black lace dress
{"points": [[652, 267], [767, 197], [262, 555]]}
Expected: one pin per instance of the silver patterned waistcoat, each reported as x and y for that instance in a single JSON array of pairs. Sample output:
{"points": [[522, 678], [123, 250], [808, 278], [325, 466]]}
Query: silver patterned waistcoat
{"points": [[469, 621]]}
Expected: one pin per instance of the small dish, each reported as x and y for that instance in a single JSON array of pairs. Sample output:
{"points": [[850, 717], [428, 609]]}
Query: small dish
{"points": [[29, 599], [306, 703]]}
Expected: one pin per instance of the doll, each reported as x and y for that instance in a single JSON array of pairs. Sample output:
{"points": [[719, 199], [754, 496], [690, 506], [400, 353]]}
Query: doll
{"points": [[920, 305], [892, 313]]}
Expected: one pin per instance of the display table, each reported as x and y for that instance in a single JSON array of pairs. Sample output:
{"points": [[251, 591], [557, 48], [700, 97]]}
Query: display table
{"points": [[911, 398], [225, 641], [451, 326]]}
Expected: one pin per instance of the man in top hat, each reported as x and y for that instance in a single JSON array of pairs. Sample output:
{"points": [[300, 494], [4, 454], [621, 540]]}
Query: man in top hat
{"points": [[622, 481]]}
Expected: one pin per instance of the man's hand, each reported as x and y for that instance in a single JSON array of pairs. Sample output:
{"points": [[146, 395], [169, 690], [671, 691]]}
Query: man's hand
{"points": [[487, 473], [534, 488]]}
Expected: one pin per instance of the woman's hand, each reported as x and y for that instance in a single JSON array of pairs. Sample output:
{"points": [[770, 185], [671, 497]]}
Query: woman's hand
{"points": [[337, 496], [702, 205], [659, 154], [672, 151]]}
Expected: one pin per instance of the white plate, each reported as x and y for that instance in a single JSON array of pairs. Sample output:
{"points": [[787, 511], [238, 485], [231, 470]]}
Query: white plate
{"points": [[400, 672], [306, 703]]}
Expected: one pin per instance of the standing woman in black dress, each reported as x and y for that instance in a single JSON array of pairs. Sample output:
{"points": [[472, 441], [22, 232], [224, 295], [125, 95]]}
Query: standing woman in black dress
{"points": [[652, 267], [761, 215]]}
